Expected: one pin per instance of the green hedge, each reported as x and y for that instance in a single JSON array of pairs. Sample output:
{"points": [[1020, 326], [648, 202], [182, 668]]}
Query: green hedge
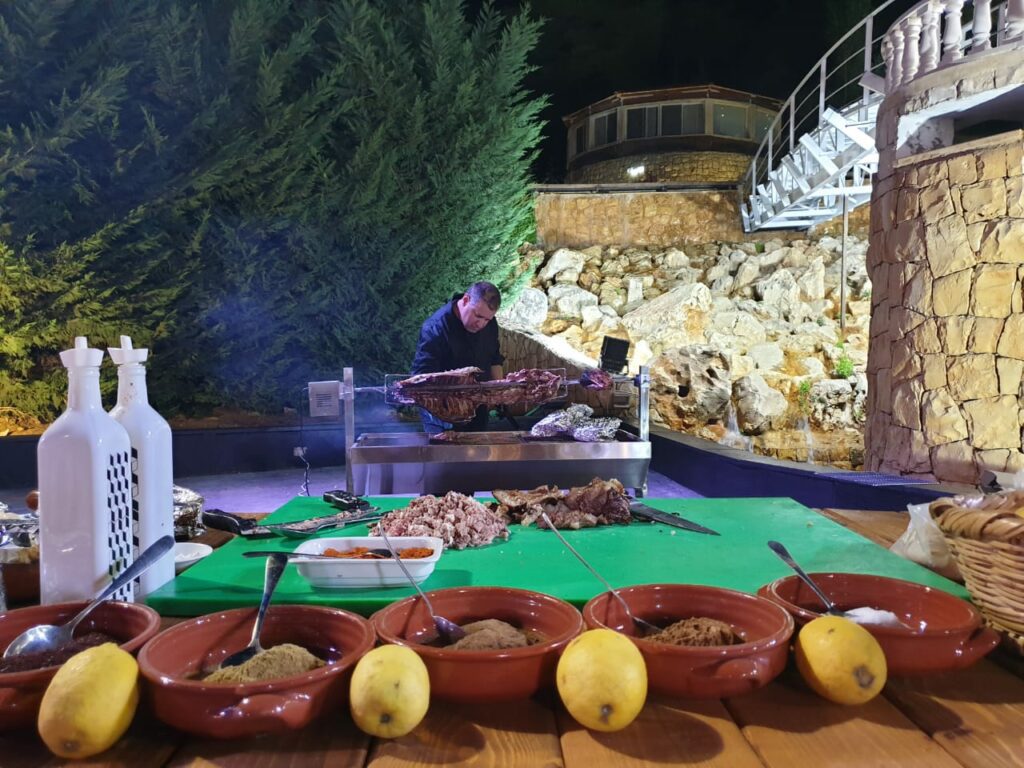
{"points": [[262, 191]]}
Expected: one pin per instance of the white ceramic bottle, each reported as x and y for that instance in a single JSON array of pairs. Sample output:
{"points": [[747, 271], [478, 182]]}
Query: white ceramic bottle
{"points": [[85, 535], [151, 460]]}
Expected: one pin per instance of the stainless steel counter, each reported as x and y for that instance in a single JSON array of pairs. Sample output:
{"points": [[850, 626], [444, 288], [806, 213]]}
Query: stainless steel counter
{"points": [[407, 462]]}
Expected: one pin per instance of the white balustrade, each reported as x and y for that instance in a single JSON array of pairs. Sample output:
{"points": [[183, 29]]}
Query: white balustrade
{"points": [[932, 34]]}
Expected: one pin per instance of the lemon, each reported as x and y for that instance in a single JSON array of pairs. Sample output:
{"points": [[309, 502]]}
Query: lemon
{"points": [[840, 660], [390, 691], [602, 680], [90, 702]]}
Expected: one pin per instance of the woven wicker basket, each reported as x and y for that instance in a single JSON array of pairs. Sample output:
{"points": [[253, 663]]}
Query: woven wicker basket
{"points": [[986, 536]]}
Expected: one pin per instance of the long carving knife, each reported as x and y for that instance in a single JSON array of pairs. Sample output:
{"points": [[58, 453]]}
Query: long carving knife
{"points": [[643, 512]]}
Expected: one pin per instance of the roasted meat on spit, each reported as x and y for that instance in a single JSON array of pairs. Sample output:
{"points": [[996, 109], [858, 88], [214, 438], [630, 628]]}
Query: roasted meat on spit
{"points": [[455, 395]]}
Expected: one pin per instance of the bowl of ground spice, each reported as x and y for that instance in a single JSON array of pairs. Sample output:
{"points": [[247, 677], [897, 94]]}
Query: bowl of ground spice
{"points": [[713, 642], [305, 667], [513, 640], [24, 678]]}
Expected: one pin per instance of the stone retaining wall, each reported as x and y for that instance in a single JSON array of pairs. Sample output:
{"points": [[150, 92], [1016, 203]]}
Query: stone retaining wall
{"points": [[640, 219], [947, 329], [705, 167]]}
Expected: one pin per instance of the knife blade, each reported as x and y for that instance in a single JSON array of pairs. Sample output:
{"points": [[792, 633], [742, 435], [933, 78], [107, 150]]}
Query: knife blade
{"points": [[645, 512]]}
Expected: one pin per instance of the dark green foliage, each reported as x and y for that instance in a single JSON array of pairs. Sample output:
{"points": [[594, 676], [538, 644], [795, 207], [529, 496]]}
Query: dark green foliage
{"points": [[261, 190]]}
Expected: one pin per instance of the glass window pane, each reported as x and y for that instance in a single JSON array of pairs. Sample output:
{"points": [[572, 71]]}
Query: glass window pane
{"points": [[730, 121], [613, 127], [671, 120], [635, 119], [693, 118], [600, 131], [762, 121], [652, 122], [581, 138]]}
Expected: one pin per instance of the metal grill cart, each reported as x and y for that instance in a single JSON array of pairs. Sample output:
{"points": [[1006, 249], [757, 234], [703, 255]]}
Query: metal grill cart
{"points": [[411, 463]]}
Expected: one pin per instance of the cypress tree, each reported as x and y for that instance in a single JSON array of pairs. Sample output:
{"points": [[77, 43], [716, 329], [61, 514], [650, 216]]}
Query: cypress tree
{"points": [[261, 190]]}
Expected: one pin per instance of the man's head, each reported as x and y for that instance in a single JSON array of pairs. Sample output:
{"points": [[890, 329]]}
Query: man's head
{"points": [[477, 306]]}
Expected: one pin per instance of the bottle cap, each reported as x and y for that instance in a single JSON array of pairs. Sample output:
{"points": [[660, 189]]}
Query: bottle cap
{"points": [[81, 355], [126, 353]]}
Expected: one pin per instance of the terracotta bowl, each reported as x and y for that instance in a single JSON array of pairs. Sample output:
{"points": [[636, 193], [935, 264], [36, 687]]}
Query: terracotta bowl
{"points": [[944, 631], [172, 660], [20, 692], [701, 672], [478, 676]]}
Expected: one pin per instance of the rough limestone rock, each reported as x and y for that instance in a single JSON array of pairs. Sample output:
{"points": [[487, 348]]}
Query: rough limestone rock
{"points": [[690, 386], [831, 404], [568, 300], [758, 406], [674, 319], [734, 330], [780, 292], [812, 281], [767, 356], [529, 310], [561, 260]]}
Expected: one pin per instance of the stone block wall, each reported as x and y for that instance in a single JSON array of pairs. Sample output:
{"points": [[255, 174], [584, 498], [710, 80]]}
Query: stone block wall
{"points": [[705, 167], [946, 358], [641, 219]]}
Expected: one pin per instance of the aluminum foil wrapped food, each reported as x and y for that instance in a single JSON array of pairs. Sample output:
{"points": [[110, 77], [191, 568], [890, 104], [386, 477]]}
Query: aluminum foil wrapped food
{"points": [[188, 514], [576, 422]]}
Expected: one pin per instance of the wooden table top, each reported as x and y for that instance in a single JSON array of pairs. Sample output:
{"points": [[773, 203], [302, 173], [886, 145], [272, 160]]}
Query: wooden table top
{"points": [[972, 717]]}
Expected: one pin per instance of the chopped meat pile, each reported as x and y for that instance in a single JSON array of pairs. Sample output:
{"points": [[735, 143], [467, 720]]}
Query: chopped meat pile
{"points": [[698, 631], [601, 502], [455, 395], [457, 520]]}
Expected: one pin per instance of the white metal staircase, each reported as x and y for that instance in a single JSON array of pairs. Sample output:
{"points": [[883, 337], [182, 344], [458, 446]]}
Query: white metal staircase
{"points": [[821, 145]]}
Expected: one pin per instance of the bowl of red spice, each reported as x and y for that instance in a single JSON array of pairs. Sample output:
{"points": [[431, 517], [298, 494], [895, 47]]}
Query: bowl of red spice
{"points": [[24, 678]]}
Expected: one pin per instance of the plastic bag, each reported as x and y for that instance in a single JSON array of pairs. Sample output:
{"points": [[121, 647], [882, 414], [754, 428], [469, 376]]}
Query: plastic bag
{"points": [[924, 543]]}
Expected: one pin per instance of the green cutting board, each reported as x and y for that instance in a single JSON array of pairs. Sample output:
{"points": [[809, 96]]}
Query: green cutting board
{"points": [[640, 553]]}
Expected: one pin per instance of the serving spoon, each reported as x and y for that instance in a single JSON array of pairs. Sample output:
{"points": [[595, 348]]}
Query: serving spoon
{"points": [[865, 615], [645, 626], [446, 628], [276, 562], [49, 637]]}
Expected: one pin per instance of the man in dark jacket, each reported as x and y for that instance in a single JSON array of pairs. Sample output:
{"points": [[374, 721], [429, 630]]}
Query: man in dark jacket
{"points": [[462, 333]]}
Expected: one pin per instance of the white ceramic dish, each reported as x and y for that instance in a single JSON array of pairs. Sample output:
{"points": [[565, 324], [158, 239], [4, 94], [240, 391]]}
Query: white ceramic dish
{"points": [[351, 574], [187, 553]]}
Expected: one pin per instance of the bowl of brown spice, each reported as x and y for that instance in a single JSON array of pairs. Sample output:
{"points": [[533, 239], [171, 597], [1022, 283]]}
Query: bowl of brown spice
{"points": [[713, 642], [24, 678], [514, 638], [307, 661]]}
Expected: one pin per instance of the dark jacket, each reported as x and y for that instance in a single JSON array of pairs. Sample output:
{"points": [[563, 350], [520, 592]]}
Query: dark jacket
{"points": [[446, 344]]}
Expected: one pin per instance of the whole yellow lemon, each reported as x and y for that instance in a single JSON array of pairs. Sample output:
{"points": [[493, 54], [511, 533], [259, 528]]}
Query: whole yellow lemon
{"points": [[840, 660], [90, 702], [390, 691], [602, 680]]}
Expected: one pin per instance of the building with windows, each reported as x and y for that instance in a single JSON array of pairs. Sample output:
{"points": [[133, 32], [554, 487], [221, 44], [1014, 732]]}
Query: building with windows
{"points": [[692, 134]]}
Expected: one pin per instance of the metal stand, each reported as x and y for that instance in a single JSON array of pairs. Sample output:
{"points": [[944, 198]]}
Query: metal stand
{"points": [[348, 401]]}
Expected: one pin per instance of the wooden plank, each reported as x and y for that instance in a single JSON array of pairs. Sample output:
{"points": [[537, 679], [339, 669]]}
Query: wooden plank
{"points": [[883, 528], [789, 725], [332, 740], [520, 734], [147, 742], [667, 732], [975, 714]]}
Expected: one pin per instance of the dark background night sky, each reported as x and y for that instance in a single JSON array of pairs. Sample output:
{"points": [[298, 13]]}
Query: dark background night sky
{"points": [[591, 48]]}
